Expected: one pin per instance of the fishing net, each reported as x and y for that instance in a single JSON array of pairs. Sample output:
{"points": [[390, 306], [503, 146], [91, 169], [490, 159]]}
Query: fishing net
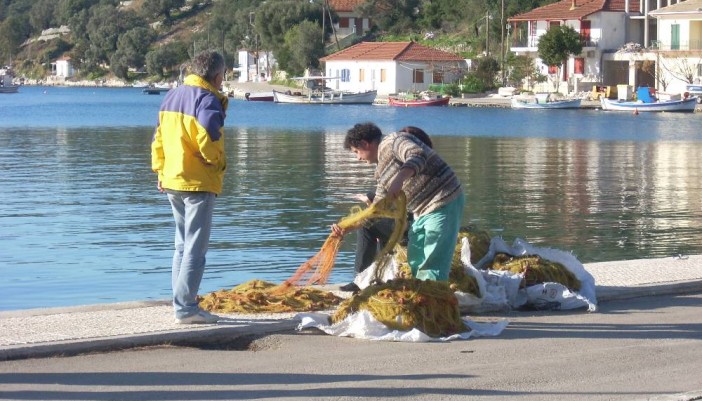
{"points": [[257, 296], [536, 270], [316, 270], [405, 304], [479, 241]]}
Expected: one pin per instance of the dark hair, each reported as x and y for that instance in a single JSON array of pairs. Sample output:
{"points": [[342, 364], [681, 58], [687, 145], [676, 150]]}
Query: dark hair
{"points": [[419, 134], [368, 132], [207, 65]]}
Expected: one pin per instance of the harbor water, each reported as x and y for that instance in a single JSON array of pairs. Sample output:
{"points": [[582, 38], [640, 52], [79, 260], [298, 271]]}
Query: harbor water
{"points": [[81, 221]]}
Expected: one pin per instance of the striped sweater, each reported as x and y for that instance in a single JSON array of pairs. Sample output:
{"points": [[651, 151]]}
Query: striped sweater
{"points": [[434, 183]]}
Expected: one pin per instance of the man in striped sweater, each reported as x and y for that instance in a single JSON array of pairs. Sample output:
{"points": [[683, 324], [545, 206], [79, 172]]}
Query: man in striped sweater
{"points": [[434, 194]]}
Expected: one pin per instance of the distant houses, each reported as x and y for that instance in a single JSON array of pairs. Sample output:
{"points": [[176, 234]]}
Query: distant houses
{"points": [[62, 68], [627, 42], [391, 67]]}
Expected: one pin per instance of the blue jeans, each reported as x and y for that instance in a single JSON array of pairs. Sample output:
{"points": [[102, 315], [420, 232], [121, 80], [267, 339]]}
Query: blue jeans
{"points": [[432, 241], [192, 212]]}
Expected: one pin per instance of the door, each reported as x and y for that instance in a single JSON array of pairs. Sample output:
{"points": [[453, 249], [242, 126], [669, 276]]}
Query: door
{"points": [[675, 37]]}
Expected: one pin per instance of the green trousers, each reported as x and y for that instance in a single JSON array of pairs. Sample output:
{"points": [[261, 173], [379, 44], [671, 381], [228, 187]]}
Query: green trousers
{"points": [[432, 241]]}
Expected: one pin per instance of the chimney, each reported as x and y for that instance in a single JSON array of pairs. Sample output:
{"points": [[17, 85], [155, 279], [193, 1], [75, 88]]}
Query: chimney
{"points": [[572, 5]]}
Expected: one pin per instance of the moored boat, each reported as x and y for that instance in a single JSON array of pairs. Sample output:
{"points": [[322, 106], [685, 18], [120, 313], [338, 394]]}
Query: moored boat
{"points": [[418, 100], [647, 103], [694, 90], [326, 97], [6, 84], [526, 103], [259, 96]]}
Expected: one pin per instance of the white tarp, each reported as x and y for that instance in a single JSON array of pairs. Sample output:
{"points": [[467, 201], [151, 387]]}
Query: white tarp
{"points": [[364, 326]]}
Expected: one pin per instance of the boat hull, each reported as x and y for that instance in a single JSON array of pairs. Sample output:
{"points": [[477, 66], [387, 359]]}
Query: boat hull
{"points": [[442, 101], [685, 105], [327, 98], [559, 104], [259, 97], [9, 89]]}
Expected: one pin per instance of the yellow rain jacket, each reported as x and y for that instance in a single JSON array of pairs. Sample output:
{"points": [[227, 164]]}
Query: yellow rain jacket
{"points": [[187, 150]]}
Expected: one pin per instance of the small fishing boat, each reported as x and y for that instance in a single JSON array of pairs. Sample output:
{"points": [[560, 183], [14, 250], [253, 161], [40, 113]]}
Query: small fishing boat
{"points": [[259, 96], [535, 103], [419, 99], [6, 84], [316, 92], [646, 101]]}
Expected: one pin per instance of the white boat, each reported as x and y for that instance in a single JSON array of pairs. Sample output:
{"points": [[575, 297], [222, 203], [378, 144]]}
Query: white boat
{"points": [[535, 103], [316, 92], [6, 84], [326, 97], [681, 105]]}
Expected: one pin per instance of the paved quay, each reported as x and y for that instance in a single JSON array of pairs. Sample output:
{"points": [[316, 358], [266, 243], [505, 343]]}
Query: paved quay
{"points": [[38, 333]]}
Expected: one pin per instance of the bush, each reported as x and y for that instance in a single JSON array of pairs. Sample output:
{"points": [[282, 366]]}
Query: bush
{"points": [[472, 84]]}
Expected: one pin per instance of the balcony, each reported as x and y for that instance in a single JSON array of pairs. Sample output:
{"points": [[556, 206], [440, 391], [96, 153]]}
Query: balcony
{"points": [[682, 45]]}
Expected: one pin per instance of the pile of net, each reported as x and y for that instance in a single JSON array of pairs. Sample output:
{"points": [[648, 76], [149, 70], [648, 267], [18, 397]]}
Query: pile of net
{"points": [[536, 270], [405, 304], [258, 296]]}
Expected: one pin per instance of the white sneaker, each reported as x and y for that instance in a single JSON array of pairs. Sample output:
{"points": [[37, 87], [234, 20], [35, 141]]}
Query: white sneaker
{"points": [[201, 317]]}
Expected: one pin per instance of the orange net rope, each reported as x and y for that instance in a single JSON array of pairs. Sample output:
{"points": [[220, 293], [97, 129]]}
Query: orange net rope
{"points": [[317, 269]]}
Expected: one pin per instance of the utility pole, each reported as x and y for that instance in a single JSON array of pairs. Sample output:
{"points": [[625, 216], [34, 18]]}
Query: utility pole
{"points": [[502, 42], [487, 34]]}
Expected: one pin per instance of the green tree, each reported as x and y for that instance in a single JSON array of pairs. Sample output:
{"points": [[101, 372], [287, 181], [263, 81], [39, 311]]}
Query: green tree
{"points": [[164, 62], [393, 16], [134, 44], [522, 69], [304, 47], [156, 8], [275, 18], [556, 45], [487, 71], [41, 16], [14, 30]]}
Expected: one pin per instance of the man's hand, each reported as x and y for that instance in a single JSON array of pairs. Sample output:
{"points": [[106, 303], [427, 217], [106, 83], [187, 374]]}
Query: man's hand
{"points": [[158, 185], [338, 231]]}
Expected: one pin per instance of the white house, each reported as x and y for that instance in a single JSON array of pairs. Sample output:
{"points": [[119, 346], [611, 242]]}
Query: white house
{"points": [[255, 66], [605, 28], [63, 67], [391, 67], [678, 51]]}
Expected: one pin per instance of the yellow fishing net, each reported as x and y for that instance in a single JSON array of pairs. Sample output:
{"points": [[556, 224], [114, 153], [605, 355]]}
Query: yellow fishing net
{"points": [[260, 296], [536, 270], [317, 269], [404, 304]]}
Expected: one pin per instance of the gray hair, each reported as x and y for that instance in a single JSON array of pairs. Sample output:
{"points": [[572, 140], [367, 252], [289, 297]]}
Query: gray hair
{"points": [[207, 65]]}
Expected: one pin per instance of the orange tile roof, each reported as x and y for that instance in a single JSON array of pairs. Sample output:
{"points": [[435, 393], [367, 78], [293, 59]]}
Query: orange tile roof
{"points": [[401, 51], [344, 5], [564, 10]]}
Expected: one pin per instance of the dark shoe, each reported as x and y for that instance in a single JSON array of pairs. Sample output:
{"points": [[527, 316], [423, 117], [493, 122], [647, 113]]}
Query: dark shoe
{"points": [[350, 287]]}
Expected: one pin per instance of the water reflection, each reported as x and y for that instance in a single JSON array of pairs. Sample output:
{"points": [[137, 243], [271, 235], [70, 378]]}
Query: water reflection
{"points": [[83, 223]]}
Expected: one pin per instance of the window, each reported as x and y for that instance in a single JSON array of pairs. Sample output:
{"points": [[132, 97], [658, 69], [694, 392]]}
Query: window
{"points": [[345, 75], [579, 67], [437, 77], [699, 70], [551, 24], [383, 75], [361, 75], [344, 22], [552, 69], [585, 27], [418, 76]]}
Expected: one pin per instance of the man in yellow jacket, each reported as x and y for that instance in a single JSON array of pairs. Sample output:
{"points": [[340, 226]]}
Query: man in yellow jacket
{"points": [[187, 153]]}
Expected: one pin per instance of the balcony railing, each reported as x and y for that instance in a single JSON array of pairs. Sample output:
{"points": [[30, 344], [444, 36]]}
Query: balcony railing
{"points": [[533, 41], [683, 45]]}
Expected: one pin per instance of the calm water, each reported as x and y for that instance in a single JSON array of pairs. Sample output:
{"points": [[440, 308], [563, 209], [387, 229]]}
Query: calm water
{"points": [[81, 221]]}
